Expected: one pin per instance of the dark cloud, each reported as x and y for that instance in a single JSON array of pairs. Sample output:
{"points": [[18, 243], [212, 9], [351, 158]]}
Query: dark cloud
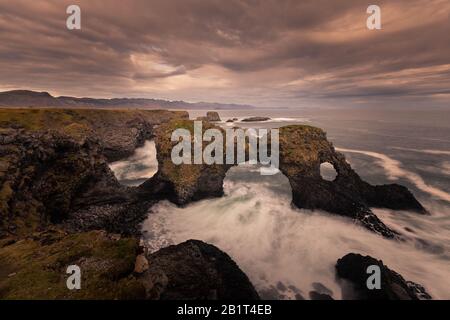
{"points": [[262, 52]]}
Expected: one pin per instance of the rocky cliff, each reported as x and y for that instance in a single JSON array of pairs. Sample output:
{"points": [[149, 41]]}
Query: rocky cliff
{"points": [[56, 187]]}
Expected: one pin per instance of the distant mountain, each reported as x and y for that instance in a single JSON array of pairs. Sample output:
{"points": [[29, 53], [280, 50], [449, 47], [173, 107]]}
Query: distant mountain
{"points": [[26, 98]]}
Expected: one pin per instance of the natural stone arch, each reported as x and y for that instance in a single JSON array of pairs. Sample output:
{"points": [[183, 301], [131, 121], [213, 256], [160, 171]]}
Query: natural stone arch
{"points": [[302, 150]]}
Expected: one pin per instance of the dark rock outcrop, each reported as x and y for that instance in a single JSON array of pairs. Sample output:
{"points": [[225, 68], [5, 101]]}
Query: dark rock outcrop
{"points": [[44, 174], [183, 183], [303, 149], [353, 269], [62, 175], [314, 295], [211, 116], [195, 270], [255, 119]]}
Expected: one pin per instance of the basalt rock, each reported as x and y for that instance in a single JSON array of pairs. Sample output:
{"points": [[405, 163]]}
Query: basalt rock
{"points": [[302, 150], [353, 269], [43, 174], [212, 116], [62, 175], [182, 183], [195, 270], [120, 132]]}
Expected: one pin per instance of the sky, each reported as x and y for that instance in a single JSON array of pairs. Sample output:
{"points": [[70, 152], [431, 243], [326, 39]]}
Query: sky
{"points": [[267, 53]]}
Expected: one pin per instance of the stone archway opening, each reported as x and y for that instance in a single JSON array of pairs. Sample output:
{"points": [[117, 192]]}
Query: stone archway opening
{"points": [[248, 178], [139, 167], [328, 172]]}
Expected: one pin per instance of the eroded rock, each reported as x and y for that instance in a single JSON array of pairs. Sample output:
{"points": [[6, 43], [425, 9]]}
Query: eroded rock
{"points": [[195, 270], [302, 150], [353, 268]]}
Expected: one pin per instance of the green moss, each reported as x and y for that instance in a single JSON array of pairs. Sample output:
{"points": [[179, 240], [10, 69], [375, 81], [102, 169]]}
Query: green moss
{"points": [[78, 122], [36, 268]]}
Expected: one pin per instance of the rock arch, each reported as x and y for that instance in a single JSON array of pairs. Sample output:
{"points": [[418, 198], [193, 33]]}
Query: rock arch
{"points": [[302, 150]]}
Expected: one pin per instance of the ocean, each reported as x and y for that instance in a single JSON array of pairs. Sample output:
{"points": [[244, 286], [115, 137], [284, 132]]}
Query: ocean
{"points": [[287, 252]]}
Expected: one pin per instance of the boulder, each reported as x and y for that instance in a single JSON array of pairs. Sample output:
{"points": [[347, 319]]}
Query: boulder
{"points": [[195, 270], [353, 269]]}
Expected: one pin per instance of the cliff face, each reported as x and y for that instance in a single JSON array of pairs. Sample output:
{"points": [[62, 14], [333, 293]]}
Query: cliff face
{"points": [[42, 174], [302, 150], [120, 132], [183, 183], [50, 176]]}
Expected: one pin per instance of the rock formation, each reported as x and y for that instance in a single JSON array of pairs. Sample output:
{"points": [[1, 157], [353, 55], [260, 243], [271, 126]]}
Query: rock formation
{"points": [[56, 186], [211, 116], [302, 150], [62, 175], [195, 270], [353, 268]]}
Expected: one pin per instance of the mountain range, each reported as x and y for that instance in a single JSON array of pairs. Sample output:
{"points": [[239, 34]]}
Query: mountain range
{"points": [[27, 98]]}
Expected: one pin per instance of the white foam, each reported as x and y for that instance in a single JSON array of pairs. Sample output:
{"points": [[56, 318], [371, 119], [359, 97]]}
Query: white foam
{"points": [[395, 171], [273, 242], [428, 151], [141, 165]]}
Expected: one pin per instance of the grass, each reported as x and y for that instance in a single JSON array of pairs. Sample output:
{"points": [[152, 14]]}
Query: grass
{"points": [[35, 268]]}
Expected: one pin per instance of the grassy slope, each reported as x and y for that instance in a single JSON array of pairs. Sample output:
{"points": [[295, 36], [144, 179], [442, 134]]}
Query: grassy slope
{"points": [[35, 267]]}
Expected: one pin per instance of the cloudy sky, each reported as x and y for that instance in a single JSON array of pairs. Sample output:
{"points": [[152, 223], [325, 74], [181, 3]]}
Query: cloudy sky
{"points": [[266, 53]]}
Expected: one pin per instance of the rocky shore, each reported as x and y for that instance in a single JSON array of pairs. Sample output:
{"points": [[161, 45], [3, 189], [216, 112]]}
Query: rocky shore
{"points": [[57, 192]]}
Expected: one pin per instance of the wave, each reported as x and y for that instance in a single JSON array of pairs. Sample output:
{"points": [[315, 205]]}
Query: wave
{"points": [[284, 250], [137, 168], [395, 171], [428, 151]]}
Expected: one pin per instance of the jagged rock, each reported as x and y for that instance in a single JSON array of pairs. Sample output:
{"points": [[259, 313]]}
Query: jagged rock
{"points": [[120, 132], [303, 149], [353, 268], [314, 295], [195, 270], [212, 116], [183, 183], [62, 175], [43, 175]]}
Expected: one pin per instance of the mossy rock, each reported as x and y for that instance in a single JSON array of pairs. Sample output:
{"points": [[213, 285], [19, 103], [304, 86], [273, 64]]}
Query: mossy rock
{"points": [[35, 267]]}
